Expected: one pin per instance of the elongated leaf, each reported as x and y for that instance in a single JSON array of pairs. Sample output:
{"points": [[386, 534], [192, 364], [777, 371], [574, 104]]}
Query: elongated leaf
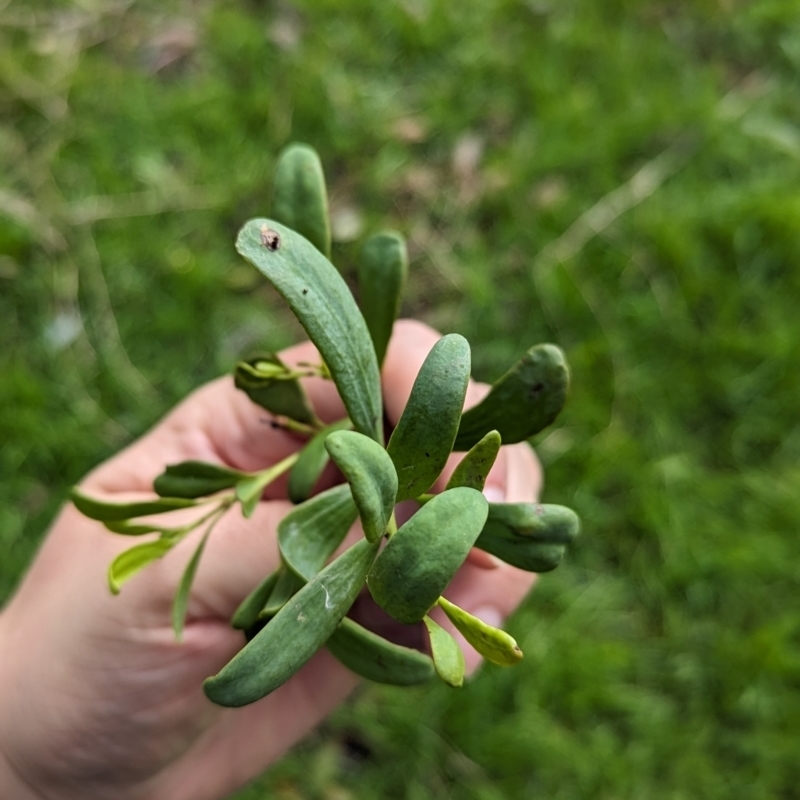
{"points": [[523, 402], [247, 613], [313, 460], [264, 380], [376, 658], [127, 528], [447, 656], [421, 558], [322, 303], [493, 644], [185, 586], [105, 511], [285, 587], [301, 200], [127, 564], [371, 475], [530, 536], [296, 632], [382, 272], [423, 438], [195, 479], [309, 534], [474, 467]]}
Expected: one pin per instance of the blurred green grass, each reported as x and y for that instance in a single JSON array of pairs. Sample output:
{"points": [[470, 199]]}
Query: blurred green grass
{"points": [[620, 178]]}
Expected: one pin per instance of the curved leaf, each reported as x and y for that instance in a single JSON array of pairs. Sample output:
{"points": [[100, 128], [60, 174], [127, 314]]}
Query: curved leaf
{"points": [[423, 438], [312, 461], [322, 303], [195, 479], [371, 475], [301, 200], [492, 643], [296, 632], [181, 602], [421, 558], [128, 563], [247, 613], [265, 381], [474, 467], [376, 658], [309, 534], [530, 536], [382, 272], [105, 511], [523, 402], [447, 656]]}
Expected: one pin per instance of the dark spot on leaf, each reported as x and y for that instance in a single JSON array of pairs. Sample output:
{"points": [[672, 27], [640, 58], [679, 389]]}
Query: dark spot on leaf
{"points": [[427, 455], [305, 291], [535, 390], [269, 238]]}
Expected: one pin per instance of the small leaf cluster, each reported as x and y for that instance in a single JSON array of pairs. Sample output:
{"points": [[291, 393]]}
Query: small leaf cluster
{"points": [[303, 604]]}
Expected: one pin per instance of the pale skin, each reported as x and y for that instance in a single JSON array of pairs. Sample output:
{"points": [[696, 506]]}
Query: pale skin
{"points": [[98, 700]]}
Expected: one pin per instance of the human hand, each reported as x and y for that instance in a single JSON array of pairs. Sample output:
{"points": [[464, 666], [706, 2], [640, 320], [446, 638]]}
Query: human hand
{"points": [[98, 700]]}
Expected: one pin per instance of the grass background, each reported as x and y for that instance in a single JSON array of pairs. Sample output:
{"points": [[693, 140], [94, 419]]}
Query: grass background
{"points": [[620, 178]]}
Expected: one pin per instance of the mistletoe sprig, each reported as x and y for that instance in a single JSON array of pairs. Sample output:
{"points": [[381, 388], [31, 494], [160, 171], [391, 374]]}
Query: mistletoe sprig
{"points": [[303, 604]]}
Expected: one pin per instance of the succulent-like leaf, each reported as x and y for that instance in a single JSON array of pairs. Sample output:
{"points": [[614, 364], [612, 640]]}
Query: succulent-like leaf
{"points": [[322, 303], [181, 602], [195, 479], [301, 200], [421, 558], [423, 438], [312, 461], [530, 536], [309, 534], [474, 467], [377, 659], [371, 475], [493, 644], [285, 588], [382, 272], [128, 563], [522, 402], [104, 511], [264, 380], [295, 633], [447, 656], [249, 609]]}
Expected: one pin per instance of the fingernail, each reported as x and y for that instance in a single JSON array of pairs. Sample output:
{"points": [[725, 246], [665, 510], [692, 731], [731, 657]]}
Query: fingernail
{"points": [[490, 615], [494, 494]]}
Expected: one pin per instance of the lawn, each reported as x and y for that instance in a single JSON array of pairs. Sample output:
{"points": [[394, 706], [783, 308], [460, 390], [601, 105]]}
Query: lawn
{"points": [[621, 178]]}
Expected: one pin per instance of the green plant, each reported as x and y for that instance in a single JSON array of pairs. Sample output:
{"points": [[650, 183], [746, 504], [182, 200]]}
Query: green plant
{"points": [[303, 604]]}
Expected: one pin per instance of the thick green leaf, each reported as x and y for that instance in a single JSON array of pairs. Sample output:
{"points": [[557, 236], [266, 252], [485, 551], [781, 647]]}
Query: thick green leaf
{"points": [[423, 438], [322, 303], [312, 461], [296, 632], [264, 380], [376, 658], [523, 402], [421, 558], [447, 656], [309, 534], [382, 272], [104, 511], [181, 602], [492, 643], [301, 200], [247, 613], [474, 467], [127, 564], [371, 475], [285, 587], [127, 528], [195, 479], [530, 536]]}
